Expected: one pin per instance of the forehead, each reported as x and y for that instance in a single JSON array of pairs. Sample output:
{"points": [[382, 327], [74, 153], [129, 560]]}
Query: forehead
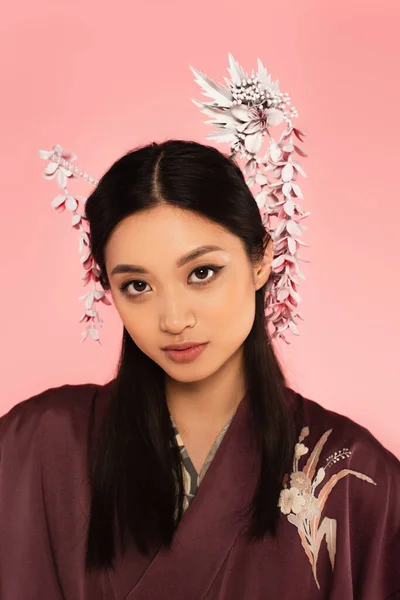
{"points": [[164, 232]]}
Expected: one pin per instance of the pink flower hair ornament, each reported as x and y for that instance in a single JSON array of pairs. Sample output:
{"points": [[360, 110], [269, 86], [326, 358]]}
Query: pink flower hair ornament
{"points": [[244, 113]]}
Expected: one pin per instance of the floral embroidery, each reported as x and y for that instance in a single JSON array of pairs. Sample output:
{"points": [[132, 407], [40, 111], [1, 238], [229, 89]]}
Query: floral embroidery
{"points": [[303, 507]]}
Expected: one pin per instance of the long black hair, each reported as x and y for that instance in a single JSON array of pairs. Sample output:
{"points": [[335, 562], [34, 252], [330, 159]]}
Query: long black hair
{"points": [[138, 465]]}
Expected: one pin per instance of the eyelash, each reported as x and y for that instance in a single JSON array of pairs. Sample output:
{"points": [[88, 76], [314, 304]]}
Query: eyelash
{"points": [[214, 268]]}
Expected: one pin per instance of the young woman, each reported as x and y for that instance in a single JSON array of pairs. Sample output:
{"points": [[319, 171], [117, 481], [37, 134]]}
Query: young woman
{"points": [[194, 474]]}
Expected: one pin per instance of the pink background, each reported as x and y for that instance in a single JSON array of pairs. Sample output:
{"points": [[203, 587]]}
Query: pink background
{"points": [[102, 81]]}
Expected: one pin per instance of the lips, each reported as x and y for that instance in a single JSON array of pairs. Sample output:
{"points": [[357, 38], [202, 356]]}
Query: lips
{"points": [[184, 346], [188, 354]]}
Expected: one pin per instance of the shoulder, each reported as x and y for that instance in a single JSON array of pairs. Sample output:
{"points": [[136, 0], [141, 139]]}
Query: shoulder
{"points": [[337, 442], [53, 409]]}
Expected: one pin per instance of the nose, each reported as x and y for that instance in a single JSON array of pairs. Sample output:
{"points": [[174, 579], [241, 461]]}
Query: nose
{"points": [[175, 313]]}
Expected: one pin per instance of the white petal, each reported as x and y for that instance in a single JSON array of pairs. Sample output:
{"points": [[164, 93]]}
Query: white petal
{"points": [[287, 188], [221, 95], [221, 115], [292, 245], [275, 152], [287, 172], [235, 70], [299, 168], [61, 179], [71, 203], [253, 142], [45, 154], [51, 168], [289, 208], [58, 200], [86, 256], [261, 198], [274, 116], [277, 262], [94, 334], [241, 112], [84, 236], [293, 228], [261, 179], [263, 75], [297, 190], [76, 219], [280, 228]]}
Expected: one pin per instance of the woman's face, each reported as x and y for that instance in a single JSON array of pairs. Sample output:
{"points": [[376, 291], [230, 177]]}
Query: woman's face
{"points": [[171, 303]]}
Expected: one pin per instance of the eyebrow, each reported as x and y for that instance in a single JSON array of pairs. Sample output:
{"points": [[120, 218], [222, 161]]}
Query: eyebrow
{"points": [[192, 255]]}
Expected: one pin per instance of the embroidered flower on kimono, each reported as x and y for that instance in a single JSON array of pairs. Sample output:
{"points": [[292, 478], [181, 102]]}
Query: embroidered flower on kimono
{"points": [[299, 480], [300, 450], [291, 501], [303, 506], [310, 507]]}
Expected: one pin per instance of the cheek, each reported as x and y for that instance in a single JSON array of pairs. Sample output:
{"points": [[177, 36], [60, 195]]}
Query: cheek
{"points": [[236, 317], [138, 328]]}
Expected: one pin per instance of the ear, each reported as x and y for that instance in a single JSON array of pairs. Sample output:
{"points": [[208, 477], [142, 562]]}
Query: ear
{"points": [[263, 270]]}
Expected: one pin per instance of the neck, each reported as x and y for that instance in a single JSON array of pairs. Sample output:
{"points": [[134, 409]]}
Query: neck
{"points": [[211, 400]]}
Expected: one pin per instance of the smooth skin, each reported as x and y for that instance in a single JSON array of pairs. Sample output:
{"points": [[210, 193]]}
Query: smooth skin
{"points": [[167, 305]]}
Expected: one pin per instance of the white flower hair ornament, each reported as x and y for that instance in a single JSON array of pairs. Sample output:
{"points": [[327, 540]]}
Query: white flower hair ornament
{"points": [[244, 112]]}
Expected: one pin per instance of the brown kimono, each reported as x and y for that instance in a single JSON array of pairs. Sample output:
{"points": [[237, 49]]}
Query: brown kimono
{"points": [[339, 535]]}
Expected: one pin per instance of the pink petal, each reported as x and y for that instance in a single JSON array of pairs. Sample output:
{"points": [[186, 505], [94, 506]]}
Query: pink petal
{"points": [[300, 151], [277, 262], [299, 134]]}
